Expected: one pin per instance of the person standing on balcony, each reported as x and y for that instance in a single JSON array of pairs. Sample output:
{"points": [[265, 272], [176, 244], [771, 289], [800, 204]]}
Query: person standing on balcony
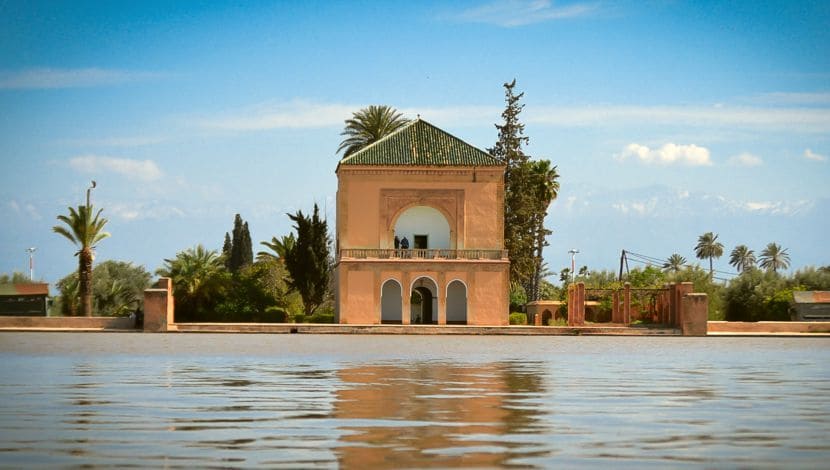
{"points": [[397, 245], [405, 246]]}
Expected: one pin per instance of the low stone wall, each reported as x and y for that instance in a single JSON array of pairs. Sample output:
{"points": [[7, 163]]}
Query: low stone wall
{"points": [[68, 323], [320, 328], [768, 327]]}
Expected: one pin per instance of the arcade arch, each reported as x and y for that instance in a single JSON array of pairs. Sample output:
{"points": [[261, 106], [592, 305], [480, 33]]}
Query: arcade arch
{"points": [[423, 301], [391, 309], [456, 303]]}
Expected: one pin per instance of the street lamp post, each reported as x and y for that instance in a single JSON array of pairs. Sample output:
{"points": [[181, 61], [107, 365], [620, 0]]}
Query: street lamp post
{"points": [[31, 251], [573, 252], [87, 193]]}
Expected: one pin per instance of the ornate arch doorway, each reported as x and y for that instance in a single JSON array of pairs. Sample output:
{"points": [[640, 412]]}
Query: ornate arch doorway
{"points": [[423, 302], [423, 227]]}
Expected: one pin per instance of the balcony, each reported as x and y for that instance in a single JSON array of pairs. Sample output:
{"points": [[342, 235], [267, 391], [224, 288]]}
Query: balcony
{"points": [[421, 254]]}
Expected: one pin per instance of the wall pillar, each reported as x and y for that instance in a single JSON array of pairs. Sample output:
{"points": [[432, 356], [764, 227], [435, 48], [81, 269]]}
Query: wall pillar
{"points": [[441, 295], [406, 295], [571, 306], [681, 290], [615, 307], [695, 314], [580, 303], [159, 306]]}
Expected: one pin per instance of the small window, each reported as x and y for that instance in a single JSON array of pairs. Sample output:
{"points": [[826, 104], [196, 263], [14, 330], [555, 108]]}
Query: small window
{"points": [[420, 242]]}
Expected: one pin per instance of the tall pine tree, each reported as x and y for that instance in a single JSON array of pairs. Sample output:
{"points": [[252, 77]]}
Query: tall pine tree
{"points": [[518, 220], [308, 260], [529, 188]]}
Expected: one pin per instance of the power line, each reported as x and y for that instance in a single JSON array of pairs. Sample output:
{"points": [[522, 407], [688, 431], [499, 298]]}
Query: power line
{"points": [[653, 260]]}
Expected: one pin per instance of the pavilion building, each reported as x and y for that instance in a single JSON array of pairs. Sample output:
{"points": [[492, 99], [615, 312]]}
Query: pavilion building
{"points": [[443, 200]]}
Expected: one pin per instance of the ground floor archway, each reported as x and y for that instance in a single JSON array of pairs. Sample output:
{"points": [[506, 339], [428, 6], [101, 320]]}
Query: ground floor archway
{"points": [[456, 303], [391, 310], [423, 302]]}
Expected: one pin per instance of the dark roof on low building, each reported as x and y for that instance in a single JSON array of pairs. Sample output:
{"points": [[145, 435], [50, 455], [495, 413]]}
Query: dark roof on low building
{"points": [[419, 143], [812, 297], [14, 290]]}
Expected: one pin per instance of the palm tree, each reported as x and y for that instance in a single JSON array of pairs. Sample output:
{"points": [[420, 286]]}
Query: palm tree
{"points": [[192, 268], [279, 248], [370, 125], [742, 258], [197, 280], [774, 257], [117, 299], [708, 246], [545, 189], [674, 264], [85, 231]]}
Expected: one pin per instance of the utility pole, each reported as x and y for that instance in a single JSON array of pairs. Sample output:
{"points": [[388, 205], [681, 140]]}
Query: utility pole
{"points": [[573, 252], [31, 251]]}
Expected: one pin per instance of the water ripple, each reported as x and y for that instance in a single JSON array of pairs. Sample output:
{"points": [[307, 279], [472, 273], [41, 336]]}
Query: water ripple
{"points": [[393, 402]]}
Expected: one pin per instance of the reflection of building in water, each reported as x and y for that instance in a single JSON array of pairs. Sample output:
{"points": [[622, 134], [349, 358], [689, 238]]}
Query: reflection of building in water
{"points": [[444, 200], [434, 415]]}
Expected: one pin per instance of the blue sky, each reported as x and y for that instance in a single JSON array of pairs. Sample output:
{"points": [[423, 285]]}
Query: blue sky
{"points": [[666, 119]]}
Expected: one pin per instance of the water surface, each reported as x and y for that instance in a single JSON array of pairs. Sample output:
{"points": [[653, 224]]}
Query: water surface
{"points": [[202, 400]]}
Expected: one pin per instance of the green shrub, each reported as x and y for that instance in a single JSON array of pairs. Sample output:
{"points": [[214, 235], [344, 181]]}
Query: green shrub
{"points": [[557, 322], [321, 317], [299, 318], [276, 314], [518, 318]]}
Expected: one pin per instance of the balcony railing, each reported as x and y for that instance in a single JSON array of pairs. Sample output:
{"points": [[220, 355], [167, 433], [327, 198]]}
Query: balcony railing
{"points": [[418, 254]]}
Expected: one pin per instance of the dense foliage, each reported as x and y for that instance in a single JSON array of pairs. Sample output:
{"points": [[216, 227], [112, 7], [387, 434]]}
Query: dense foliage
{"points": [[117, 290], [15, 278]]}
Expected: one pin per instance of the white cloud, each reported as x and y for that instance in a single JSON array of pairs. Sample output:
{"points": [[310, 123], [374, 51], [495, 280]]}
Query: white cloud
{"points": [[795, 98], [292, 115], [816, 157], [143, 211], [299, 114], [49, 78], [775, 207], [668, 154], [746, 159], [28, 208], [793, 118], [121, 142], [511, 13], [145, 170]]}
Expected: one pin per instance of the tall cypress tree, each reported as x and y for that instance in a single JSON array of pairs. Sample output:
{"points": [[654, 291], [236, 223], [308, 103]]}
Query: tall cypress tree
{"points": [[519, 230], [247, 249], [241, 249], [226, 251], [308, 260]]}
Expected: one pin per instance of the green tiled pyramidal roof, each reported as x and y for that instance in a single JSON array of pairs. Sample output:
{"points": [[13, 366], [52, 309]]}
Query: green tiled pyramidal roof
{"points": [[419, 143]]}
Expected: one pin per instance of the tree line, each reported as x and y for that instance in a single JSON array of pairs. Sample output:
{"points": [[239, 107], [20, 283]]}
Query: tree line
{"points": [[291, 278]]}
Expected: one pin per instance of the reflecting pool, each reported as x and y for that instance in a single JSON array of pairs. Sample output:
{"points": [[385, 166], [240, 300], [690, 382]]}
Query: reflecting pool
{"points": [[236, 400]]}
